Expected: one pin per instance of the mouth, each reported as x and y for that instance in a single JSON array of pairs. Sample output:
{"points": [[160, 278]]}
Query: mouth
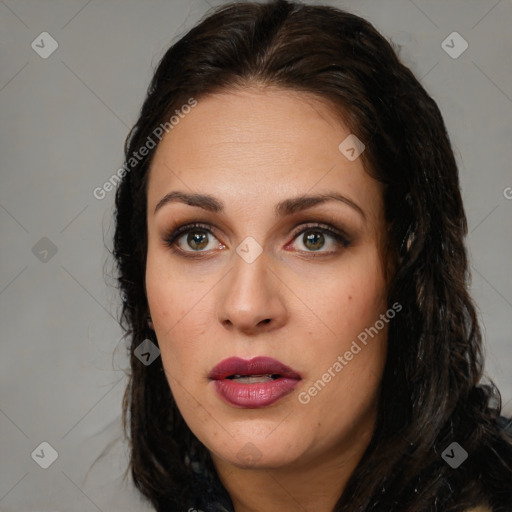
{"points": [[251, 379], [253, 383], [265, 368]]}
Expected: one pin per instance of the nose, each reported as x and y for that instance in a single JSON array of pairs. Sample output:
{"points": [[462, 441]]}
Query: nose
{"points": [[251, 298]]}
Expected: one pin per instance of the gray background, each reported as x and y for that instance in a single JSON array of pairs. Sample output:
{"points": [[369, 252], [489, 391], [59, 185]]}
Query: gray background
{"points": [[64, 120]]}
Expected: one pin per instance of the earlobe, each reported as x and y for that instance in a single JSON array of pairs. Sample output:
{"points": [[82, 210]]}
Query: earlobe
{"points": [[150, 323]]}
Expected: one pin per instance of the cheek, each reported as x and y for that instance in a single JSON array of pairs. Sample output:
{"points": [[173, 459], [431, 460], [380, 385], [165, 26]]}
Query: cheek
{"points": [[347, 306], [171, 295], [175, 311], [354, 298]]}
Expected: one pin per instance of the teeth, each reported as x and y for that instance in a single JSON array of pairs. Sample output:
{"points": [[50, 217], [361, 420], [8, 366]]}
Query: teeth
{"points": [[251, 379]]}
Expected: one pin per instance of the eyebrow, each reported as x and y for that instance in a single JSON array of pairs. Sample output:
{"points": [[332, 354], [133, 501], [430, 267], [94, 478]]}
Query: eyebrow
{"points": [[283, 208]]}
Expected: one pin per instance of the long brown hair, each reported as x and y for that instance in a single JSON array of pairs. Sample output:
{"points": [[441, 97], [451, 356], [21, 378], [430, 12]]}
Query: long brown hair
{"points": [[431, 393]]}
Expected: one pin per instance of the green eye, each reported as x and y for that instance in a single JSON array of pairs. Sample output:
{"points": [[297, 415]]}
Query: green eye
{"points": [[314, 238], [197, 240]]}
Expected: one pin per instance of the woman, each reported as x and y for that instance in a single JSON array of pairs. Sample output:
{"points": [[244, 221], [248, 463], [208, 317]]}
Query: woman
{"points": [[290, 236]]}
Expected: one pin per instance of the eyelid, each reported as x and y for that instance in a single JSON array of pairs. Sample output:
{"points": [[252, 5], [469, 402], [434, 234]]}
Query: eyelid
{"points": [[320, 226]]}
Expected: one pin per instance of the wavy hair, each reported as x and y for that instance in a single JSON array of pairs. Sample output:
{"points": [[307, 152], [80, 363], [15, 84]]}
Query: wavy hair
{"points": [[431, 390]]}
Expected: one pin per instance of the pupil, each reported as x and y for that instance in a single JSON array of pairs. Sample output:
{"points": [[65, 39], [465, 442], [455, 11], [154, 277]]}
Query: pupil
{"points": [[197, 240], [317, 239]]}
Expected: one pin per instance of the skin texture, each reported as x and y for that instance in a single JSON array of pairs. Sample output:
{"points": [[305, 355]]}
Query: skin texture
{"points": [[251, 149]]}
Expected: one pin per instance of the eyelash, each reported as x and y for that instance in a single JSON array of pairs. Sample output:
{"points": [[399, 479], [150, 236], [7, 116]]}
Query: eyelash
{"points": [[339, 237]]}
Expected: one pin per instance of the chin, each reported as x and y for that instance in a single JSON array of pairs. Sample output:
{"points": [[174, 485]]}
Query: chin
{"points": [[249, 456], [261, 451]]}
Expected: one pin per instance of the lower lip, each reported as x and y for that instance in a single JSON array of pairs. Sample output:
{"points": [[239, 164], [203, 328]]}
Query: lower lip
{"points": [[255, 395]]}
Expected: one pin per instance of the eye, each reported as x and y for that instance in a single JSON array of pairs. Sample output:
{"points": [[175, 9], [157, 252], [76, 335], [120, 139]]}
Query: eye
{"points": [[315, 237], [193, 238], [197, 239]]}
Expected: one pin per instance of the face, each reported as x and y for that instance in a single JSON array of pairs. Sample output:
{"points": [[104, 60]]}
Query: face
{"points": [[252, 271]]}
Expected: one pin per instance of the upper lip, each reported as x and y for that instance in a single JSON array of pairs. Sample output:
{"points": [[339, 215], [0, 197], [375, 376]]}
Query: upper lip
{"points": [[255, 366]]}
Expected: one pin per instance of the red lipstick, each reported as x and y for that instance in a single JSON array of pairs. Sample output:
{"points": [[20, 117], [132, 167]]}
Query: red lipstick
{"points": [[253, 383]]}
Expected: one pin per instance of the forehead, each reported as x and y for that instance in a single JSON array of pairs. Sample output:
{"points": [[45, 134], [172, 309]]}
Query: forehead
{"points": [[258, 144]]}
